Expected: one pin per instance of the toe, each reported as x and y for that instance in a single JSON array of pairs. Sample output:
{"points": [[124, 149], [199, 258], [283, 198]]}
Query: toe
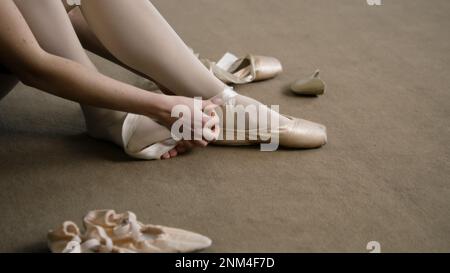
{"points": [[201, 143], [180, 149], [188, 144], [165, 156], [173, 153]]}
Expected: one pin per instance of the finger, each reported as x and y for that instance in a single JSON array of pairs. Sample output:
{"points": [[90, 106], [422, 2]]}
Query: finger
{"points": [[197, 128], [206, 103], [218, 100], [211, 128], [211, 121], [208, 107]]}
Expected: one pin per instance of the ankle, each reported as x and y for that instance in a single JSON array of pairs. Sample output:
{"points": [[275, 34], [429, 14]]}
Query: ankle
{"points": [[226, 97]]}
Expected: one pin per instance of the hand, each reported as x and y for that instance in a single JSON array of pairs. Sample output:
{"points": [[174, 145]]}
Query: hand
{"points": [[199, 115]]}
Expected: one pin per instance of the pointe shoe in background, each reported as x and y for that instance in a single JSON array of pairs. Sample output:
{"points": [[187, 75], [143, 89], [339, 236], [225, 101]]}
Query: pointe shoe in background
{"points": [[127, 233], [312, 86], [233, 70]]}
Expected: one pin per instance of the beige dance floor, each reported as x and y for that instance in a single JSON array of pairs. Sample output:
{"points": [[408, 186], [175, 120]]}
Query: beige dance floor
{"points": [[384, 176]]}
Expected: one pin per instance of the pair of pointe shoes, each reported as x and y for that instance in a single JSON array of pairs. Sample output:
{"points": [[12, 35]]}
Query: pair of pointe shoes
{"points": [[109, 232], [230, 69], [298, 133]]}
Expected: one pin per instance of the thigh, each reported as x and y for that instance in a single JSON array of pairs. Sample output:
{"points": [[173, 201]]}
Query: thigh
{"points": [[50, 24]]}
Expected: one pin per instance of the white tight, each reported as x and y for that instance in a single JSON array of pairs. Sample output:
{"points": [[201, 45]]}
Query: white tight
{"points": [[53, 30], [137, 35]]}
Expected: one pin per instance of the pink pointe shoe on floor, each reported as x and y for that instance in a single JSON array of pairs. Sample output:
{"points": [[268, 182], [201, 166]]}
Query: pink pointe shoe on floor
{"points": [[109, 232]]}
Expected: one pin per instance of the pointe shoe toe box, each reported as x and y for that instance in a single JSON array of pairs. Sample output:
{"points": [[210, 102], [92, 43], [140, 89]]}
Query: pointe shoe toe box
{"points": [[266, 67], [303, 134], [173, 240]]}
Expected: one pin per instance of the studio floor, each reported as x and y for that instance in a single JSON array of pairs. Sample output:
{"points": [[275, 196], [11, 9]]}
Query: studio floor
{"points": [[384, 175]]}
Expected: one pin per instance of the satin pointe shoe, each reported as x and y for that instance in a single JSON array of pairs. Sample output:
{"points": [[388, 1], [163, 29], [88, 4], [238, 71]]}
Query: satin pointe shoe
{"points": [[65, 239], [233, 70], [68, 239], [312, 86], [298, 133], [152, 141], [139, 136], [130, 235], [96, 240]]}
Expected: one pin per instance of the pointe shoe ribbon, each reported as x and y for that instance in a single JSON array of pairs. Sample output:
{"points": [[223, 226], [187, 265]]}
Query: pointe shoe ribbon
{"points": [[152, 152], [231, 69], [68, 239], [73, 2], [227, 97], [65, 239], [128, 233], [155, 142], [311, 86]]}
